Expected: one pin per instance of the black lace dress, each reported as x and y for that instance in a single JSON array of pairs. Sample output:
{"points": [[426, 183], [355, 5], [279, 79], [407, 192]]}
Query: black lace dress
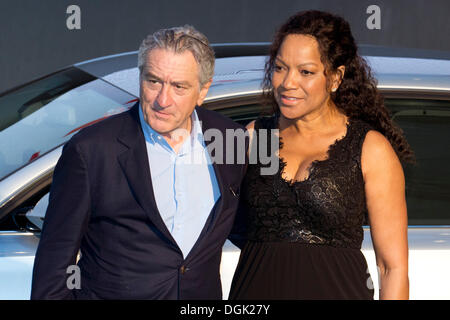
{"points": [[304, 237]]}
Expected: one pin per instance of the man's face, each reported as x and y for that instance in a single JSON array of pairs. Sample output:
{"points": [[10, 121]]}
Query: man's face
{"points": [[170, 90]]}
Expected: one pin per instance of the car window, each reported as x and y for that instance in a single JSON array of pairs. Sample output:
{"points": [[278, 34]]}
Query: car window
{"points": [[426, 124], [243, 114], [46, 113]]}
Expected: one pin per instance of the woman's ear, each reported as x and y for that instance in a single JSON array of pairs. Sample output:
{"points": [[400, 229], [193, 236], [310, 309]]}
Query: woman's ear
{"points": [[337, 78]]}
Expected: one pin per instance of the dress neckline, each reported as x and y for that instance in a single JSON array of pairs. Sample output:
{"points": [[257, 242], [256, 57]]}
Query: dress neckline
{"points": [[315, 163]]}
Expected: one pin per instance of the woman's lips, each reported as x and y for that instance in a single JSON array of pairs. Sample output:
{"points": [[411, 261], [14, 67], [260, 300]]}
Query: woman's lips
{"points": [[287, 100]]}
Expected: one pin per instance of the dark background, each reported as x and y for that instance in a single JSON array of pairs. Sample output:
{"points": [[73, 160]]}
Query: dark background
{"points": [[34, 38]]}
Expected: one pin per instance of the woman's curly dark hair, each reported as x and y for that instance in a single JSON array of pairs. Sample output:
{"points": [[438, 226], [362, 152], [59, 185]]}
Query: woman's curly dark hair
{"points": [[357, 96]]}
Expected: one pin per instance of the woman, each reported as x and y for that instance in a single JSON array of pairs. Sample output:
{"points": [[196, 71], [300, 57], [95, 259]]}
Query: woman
{"points": [[339, 160]]}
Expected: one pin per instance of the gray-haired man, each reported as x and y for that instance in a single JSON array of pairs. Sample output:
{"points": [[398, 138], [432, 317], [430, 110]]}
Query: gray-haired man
{"points": [[149, 223]]}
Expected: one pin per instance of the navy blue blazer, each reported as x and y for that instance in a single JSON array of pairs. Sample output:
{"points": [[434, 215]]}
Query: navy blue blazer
{"points": [[102, 202]]}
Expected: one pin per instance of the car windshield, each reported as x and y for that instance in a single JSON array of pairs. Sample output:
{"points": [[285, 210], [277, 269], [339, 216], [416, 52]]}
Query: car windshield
{"points": [[44, 114]]}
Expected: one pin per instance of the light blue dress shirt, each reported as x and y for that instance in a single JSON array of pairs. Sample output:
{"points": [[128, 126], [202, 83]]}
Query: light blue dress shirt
{"points": [[184, 184]]}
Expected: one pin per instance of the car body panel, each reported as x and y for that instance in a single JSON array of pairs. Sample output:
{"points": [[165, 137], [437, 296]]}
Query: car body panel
{"points": [[13, 185], [391, 73], [17, 250]]}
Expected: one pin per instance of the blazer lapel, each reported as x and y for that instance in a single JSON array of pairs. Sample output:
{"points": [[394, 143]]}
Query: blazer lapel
{"points": [[219, 170], [134, 163]]}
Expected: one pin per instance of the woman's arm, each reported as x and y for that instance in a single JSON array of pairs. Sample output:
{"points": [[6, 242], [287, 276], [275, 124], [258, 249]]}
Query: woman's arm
{"points": [[386, 204]]}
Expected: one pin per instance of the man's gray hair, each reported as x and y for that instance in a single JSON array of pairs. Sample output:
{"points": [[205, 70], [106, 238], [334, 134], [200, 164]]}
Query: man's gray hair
{"points": [[178, 40]]}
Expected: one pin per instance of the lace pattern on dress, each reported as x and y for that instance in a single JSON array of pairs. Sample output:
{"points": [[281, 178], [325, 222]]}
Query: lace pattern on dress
{"points": [[328, 207]]}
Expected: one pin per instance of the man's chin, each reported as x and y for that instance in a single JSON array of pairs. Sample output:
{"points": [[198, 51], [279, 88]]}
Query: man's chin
{"points": [[159, 125], [162, 129]]}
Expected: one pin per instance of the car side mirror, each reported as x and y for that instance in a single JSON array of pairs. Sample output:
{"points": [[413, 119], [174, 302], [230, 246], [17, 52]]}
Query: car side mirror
{"points": [[37, 214]]}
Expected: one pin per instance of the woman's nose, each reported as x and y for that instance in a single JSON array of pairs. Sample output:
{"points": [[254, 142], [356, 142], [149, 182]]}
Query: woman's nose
{"points": [[290, 81]]}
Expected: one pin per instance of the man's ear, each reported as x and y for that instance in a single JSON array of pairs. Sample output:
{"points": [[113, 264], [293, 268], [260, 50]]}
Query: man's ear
{"points": [[203, 92]]}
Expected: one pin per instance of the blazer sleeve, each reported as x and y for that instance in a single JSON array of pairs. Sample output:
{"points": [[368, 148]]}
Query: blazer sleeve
{"points": [[64, 225], [238, 234]]}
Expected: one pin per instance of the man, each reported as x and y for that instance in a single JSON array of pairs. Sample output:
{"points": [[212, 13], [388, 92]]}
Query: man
{"points": [[149, 222]]}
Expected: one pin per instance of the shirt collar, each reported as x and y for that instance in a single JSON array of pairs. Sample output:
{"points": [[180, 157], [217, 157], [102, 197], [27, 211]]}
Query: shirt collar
{"points": [[153, 137]]}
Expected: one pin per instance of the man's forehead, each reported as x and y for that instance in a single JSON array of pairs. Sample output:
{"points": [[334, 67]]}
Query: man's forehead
{"points": [[184, 58], [169, 62]]}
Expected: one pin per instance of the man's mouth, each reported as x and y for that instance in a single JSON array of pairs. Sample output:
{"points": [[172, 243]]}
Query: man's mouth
{"points": [[161, 114]]}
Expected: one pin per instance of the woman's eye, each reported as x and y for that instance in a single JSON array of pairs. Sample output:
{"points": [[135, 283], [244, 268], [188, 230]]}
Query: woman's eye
{"points": [[306, 72], [278, 68]]}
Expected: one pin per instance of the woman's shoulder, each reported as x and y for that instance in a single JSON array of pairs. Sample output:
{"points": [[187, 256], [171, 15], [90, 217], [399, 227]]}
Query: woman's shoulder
{"points": [[251, 125], [359, 130], [377, 153], [372, 139], [376, 144]]}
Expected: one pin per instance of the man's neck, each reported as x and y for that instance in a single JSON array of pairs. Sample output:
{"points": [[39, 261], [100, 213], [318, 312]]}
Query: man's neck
{"points": [[177, 137]]}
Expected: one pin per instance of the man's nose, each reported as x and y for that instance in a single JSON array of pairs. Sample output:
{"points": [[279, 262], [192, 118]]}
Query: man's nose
{"points": [[163, 99]]}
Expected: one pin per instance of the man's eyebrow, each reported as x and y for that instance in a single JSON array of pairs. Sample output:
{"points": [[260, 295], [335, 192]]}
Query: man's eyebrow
{"points": [[148, 74], [181, 83]]}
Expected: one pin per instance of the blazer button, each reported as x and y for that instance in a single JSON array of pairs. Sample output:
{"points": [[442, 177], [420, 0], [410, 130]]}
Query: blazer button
{"points": [[183, 269]]}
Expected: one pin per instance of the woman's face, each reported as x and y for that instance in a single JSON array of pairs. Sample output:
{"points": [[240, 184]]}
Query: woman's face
{"points": [[299, 82]]}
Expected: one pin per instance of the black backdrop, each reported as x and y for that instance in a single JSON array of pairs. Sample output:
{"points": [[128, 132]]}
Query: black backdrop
{"points": [[35, 40]]}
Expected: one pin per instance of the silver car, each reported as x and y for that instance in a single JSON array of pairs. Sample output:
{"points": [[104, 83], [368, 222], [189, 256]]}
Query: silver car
{"points": [[39, 117]]}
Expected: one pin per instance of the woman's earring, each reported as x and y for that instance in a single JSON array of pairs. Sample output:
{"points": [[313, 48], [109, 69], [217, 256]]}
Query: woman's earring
{"points": [[333, 90]]}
